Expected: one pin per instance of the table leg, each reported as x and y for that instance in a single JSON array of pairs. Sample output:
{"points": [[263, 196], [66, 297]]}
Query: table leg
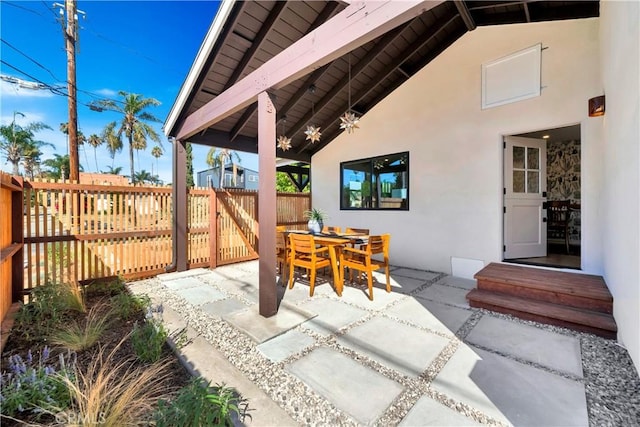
{"points": [[334, 266]]}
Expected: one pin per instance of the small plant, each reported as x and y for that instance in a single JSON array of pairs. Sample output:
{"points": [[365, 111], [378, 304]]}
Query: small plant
{"points": [[81, 335], [111, 394], [315, 214], [198, 405], [110, 287], [126, 306], [34, 387], [49, 305], [148, 340]]}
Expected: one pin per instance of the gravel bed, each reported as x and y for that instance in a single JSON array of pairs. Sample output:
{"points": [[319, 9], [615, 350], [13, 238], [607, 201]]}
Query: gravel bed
{"points": [[611, 381]]}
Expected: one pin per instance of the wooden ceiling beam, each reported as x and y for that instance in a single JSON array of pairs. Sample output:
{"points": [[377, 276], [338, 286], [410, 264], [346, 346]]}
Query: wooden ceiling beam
{"points": [[357, 24], [355, 70], [325, 14], [390, 68], [464, 13], [273, 16]]}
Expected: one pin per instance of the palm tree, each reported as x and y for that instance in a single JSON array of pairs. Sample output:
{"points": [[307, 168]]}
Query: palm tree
{"points": [[15, 140], [220, 158], [157, 153], [95, 141], [114, 171], [142, 177], [59, 166], [31, 160], [133, 124], [64, 128]]}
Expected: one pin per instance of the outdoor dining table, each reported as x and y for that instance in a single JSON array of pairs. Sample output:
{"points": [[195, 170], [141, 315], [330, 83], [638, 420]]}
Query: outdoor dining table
{"points": [[334, 242]]}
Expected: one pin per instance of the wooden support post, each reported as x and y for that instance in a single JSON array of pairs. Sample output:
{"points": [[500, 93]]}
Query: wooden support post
{"points": [[268, 295], [213, 228], [180, 210]]}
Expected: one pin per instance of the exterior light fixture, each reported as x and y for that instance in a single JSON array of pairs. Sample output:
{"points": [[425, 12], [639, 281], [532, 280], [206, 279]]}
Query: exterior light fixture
{"points": [[596, 106]]}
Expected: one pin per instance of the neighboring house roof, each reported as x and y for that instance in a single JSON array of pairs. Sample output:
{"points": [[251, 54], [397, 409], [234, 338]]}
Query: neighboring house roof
{"points": [[228, 167], [245, 35]]}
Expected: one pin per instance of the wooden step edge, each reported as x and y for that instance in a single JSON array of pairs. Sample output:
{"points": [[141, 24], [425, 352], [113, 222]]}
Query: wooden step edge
{"points": [[600, 294], [576, 300], [589, 318]]}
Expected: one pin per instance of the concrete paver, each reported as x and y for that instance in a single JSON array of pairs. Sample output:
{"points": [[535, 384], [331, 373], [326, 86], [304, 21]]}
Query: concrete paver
{"points": [[332, 315], [359, 391], [407, 349], [202, 294], [529, 343], [431, 315], [223, 307], [428, 412], [517, 382], [512, 392], [416, 274], [261, 329], [285, 345], [445, 294]]}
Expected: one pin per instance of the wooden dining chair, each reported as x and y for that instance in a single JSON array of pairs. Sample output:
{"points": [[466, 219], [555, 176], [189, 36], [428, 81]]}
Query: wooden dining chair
{"points": [[304, 253], [331, 230], [283, 253], [363, 231], [362, 260], [558, 213]]}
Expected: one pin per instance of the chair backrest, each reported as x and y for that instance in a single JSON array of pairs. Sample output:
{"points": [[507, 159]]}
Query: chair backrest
{"points": [[378, 245], [364, 231], [302, 243], [281, 240], [331, 229], [558, 212]]}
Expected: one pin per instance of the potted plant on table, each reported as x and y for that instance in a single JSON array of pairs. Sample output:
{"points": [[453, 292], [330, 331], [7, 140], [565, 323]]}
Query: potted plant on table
{"points": [[316, 220]]}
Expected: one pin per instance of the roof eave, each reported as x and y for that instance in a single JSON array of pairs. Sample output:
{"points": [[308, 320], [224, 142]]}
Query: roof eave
{"points": [[218, 23]]}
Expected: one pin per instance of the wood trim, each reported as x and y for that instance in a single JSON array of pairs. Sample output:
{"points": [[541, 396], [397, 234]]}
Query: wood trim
{"points": [[356, 25], [9, 251]]}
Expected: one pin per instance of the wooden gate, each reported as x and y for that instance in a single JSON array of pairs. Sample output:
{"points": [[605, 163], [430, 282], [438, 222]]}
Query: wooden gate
{"points": [[237, 226]]}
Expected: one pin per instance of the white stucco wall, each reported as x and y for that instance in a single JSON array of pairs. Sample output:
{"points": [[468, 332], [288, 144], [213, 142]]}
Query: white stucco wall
{"points": [[620, 45], [456, 148]]}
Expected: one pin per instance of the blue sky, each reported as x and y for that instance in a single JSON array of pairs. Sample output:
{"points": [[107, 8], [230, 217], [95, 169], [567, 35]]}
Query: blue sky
{"points": [[144, 47]]}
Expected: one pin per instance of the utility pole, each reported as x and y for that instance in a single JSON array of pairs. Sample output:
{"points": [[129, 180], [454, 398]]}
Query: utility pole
{"points": [[70, 32]]}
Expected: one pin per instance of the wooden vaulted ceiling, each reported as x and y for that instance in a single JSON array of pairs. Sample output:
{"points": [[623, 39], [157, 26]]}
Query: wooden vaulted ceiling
{"points": [[255, 31]]}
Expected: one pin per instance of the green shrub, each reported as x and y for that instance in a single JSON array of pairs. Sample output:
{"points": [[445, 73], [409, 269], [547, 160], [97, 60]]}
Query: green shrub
{"points": [[34, 387], [81, 335], [199, 405], [48, 307], [148, 340], [126, 306], [108, 288]]}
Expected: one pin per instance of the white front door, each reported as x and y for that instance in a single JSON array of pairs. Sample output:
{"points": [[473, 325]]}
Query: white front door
{"points": [[525, 180]]}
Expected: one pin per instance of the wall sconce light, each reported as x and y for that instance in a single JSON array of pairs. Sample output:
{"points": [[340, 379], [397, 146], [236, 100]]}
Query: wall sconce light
{"points": [[596, 106]]}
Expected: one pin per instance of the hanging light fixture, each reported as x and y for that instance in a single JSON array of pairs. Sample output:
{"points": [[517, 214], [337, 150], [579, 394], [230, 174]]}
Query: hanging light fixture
{"points": [[349, 120], [312, 132], [283, 142]]}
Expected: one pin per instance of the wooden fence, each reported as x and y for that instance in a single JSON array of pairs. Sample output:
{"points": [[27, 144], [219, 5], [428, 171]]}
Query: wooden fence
{"points": [[76, 232], [11, 247]]}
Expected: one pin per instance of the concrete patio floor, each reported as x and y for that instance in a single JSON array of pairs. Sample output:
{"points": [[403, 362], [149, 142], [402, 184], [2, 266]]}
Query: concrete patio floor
{"points": [[414, 357]]}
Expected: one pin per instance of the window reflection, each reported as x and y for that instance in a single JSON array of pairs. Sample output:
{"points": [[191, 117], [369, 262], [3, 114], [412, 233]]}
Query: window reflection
{"points": [[376, 183]]}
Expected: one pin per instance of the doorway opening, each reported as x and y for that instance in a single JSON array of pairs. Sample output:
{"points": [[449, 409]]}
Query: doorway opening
{"points": [[535, 189]]}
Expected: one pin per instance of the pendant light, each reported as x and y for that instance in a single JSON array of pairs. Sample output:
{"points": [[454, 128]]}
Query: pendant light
{"points": [[349, 120], [283, 142], [312, 132]]}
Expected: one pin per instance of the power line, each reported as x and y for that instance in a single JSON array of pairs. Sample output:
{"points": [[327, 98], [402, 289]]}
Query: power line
{"points": [[22, 7], [30, 58]]}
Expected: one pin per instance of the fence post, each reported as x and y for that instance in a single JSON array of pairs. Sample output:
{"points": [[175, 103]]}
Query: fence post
{"points": [[213, 228], [17, 236]]}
